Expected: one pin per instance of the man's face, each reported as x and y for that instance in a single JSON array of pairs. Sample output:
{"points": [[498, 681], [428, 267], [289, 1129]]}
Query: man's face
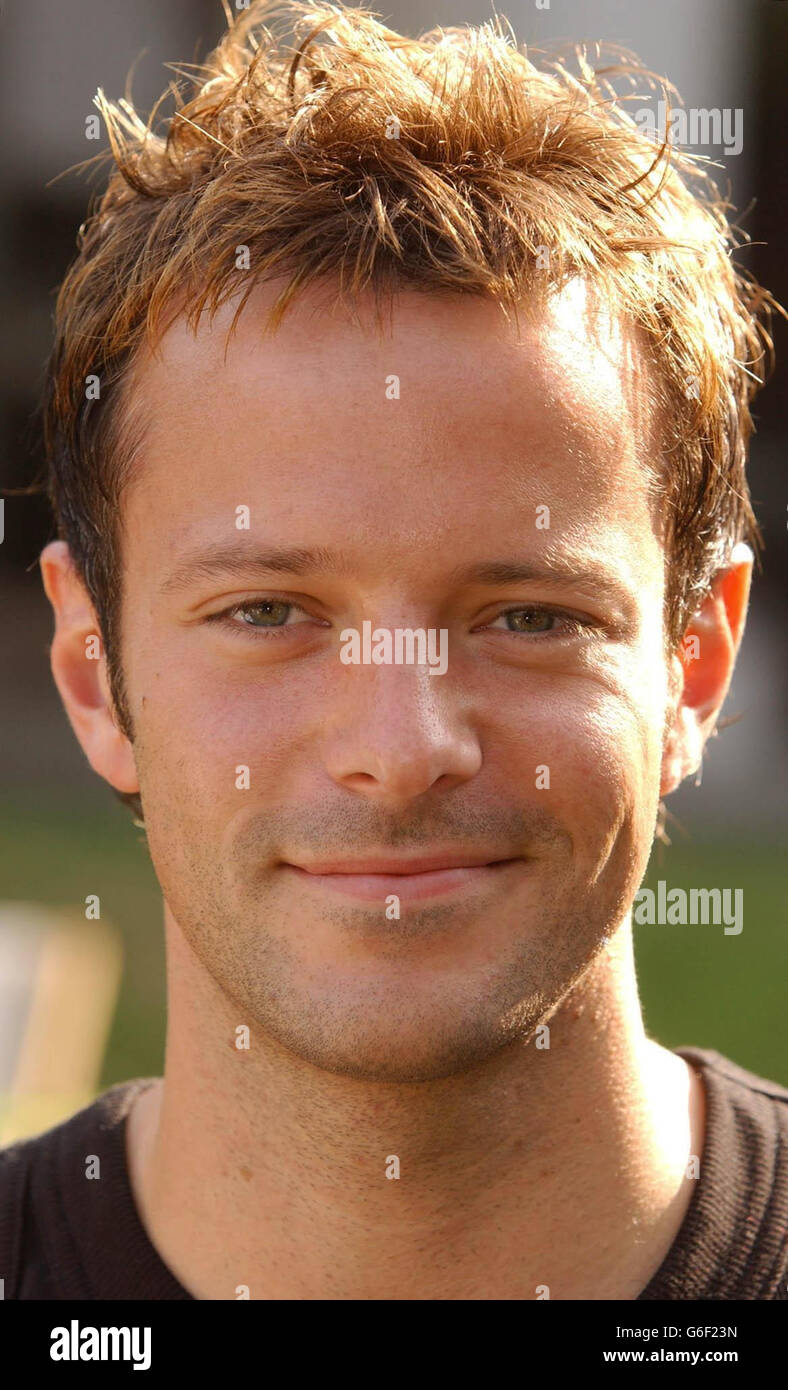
{"points": [[540, 746]]}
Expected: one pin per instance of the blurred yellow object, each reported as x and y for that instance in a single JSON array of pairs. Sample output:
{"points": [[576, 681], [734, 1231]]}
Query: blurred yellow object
{"points": [[59, 980]]}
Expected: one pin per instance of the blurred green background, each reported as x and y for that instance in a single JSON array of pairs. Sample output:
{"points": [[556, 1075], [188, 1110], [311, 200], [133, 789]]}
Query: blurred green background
{"points": [[699, 987]]}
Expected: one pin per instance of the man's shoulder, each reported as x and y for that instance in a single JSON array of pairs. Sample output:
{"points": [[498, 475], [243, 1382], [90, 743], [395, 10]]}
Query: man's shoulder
{"points": [[103, 1113], [754, 1106], [737, 1079], [733, 1243], [42, 1176]]}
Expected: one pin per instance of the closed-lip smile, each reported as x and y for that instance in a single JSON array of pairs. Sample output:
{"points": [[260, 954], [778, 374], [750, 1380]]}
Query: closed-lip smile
{"points": [[383, 864], [374, 878]]}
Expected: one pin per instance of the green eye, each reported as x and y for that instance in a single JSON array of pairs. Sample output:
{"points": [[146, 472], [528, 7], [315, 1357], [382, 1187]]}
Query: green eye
{"points": [[273, 613], [273, 609], [529, 619], [541, 622]]}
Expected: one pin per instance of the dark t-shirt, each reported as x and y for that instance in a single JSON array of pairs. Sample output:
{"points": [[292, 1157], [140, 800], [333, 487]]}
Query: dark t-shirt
{"points": [[63, 1236]]}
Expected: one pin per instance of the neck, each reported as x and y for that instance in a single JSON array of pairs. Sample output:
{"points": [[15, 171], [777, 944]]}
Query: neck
{"points": [[560, 1167]]}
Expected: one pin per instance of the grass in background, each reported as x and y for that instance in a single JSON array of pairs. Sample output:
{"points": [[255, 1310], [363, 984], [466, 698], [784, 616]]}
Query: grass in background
{"points": [[702, 988], [699, 987]]}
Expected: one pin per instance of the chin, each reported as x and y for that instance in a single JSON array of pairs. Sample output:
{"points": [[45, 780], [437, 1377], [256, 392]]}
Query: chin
{"points": [[397, 1047]]}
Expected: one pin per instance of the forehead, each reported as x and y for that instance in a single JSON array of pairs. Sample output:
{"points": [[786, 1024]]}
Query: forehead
{"points": [[449, 419]]}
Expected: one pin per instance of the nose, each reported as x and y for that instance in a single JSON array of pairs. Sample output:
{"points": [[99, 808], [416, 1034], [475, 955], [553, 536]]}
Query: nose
{"points": [[394, 732]]}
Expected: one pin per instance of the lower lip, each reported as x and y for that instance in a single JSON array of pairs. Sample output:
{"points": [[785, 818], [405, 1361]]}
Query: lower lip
{"points": [[411, 887]]}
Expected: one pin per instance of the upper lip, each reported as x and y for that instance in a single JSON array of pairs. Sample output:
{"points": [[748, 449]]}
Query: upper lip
{"points": [[424, 864]]}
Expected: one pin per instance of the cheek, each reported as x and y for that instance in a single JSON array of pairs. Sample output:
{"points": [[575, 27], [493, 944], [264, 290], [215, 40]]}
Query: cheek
{"points": [[199, 731], [603, 757]]}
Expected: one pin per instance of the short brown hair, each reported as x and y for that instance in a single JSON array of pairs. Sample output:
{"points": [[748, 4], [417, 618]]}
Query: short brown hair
{"points": [[454, 162]]}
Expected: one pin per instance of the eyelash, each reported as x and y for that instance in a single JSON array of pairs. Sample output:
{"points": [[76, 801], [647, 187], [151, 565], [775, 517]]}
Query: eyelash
{"points": [[573, 626], [224, 618]]}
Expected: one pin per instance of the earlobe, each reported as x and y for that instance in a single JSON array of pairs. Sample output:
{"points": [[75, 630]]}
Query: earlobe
{"points": [[79, 669], [706, 660], [683, 750]]}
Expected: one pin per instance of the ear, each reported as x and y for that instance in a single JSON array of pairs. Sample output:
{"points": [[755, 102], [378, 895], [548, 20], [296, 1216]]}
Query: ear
{"points": [[79, 668], [703, 666]]}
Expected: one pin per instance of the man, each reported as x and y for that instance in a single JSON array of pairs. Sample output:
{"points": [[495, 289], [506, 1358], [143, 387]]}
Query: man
{"points": [[405, 1054]]}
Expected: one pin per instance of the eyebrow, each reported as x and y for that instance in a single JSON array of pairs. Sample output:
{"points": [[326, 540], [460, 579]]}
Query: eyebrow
{"points": [[233, 557], [229, 559], [545, 571]]}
